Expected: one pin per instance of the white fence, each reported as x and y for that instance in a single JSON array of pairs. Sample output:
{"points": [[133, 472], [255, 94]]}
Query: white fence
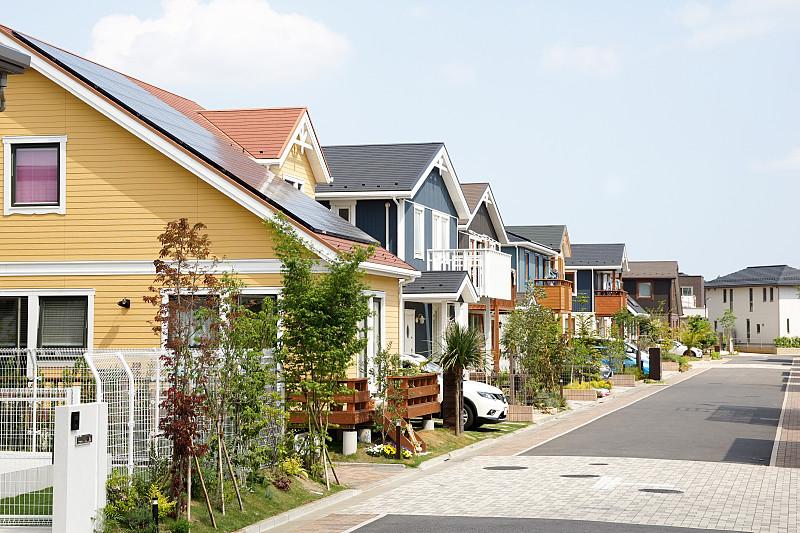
{"points": [[489, 269], [34, 381]]}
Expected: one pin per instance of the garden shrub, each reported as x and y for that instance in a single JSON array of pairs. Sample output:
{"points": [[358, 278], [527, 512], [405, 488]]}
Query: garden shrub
{"points": [[787, 342]]}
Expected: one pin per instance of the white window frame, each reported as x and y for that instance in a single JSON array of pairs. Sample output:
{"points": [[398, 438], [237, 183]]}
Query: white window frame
{"points": [[261, 291], [33, 296], [294, 181], [350, 206], [690, 290], [8, 143], [374, 326], [419, 232], [441, 231]]}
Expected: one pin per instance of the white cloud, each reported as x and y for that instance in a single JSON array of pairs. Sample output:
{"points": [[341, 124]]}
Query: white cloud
{"points": [[790, 162], [241, 43], [737, 20], [584, 59]]}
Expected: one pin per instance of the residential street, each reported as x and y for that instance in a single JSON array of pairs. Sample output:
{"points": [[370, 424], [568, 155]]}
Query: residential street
{"points": [[656, 459]]}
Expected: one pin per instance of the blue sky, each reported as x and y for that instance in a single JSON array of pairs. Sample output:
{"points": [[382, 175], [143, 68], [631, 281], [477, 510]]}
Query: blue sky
{"points": [[669, 126]]}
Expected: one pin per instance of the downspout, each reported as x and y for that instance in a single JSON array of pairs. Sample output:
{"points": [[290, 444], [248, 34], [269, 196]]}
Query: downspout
{"points": [[3, 85], [386, 242]]}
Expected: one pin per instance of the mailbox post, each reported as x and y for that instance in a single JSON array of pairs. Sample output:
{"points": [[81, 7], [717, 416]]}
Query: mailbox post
{"points": [[80, 466]]}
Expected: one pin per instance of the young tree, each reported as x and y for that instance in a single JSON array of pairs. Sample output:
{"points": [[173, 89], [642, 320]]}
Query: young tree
{"points": [[242, 388], [184, 277], [462, 349], [534, 334], [698, 332], [322, 318], [728, 322]]}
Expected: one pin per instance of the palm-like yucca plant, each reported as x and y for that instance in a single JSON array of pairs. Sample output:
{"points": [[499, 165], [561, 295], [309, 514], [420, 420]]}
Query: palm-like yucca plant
{"points": [[462, 348]]}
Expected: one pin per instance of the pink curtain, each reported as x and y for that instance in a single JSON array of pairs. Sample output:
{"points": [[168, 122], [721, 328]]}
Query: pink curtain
{"points": [[37, 175]]}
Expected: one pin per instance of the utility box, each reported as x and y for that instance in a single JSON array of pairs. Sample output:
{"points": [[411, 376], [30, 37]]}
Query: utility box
{"points": [[655, 364], [80, 466]]}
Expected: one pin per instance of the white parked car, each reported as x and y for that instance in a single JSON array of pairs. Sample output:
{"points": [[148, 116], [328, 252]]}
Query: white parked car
{"points": [[677, 348], [483, 404]]}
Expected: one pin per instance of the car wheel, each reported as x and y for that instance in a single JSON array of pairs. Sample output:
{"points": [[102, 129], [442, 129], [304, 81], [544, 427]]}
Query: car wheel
{"points": [[468, 416], [688, 352]]}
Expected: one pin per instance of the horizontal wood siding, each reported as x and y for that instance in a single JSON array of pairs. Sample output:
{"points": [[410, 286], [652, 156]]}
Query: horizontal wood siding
{"points": [[120, 191], [297, 165]]}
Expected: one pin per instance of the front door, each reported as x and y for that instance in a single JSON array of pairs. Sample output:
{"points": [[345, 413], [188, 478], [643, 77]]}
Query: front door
{"points": [[409, 324]]}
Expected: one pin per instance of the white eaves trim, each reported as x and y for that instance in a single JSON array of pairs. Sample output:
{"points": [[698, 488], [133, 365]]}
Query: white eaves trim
{"points": [[145, 267], [494, 214], [442, 161], [131, 268], [529, 245], [593, 267], [163, 145], [366, 195], [386, 270], [305, 136]]}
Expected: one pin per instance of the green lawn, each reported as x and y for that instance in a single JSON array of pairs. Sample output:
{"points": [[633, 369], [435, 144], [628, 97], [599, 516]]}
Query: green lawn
{"points": [[259, 503], [439, 441], [39, 502]]}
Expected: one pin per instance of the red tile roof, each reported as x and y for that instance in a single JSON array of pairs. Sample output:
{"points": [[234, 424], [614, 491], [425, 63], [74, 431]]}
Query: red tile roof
{"points": [[381, 255], [262, 133], [190, 108]]}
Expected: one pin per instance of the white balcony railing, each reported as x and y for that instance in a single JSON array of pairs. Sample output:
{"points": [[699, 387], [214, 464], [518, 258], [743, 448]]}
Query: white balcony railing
{"points": [[489, 270]]}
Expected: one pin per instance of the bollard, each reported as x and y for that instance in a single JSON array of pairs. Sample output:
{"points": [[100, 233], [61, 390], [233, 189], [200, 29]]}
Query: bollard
{"points": [[155, 511], [561, 382], [398, 448]]}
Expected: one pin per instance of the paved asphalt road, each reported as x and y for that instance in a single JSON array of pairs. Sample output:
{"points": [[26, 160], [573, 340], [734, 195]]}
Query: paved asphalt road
{"points": [[729, 414], [463, 524]]}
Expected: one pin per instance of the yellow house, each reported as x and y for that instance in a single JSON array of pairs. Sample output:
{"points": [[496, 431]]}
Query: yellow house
{"points": [[96, 163]]}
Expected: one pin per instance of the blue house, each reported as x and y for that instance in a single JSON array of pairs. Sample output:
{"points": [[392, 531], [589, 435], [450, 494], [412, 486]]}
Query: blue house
{"points": [[597, 271], [407, 197]]}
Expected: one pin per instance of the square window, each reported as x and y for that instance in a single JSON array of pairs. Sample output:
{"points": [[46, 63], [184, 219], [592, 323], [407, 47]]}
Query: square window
{"points": [[644, 289], [687, 291], [63, 321], [34, 180], [34, 175]]}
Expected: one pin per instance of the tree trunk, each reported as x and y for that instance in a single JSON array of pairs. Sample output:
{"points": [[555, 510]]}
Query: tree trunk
{"points": [[452, 401]]}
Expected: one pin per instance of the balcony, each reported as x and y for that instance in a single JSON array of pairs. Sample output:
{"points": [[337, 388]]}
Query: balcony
{"points": [[489, 270], [558, 294], [606, 303]]}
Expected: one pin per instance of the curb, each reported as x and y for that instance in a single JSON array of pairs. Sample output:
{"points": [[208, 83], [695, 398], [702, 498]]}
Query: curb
{"points": [[299, 512]]}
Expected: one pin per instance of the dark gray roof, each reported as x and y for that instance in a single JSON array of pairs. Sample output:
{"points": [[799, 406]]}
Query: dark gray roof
{"points": [[550, 236], [377, 167], [610, 255], [633, 304], [652, 269], [783, 275], [513, 237], [202, 143], [437, 282]]}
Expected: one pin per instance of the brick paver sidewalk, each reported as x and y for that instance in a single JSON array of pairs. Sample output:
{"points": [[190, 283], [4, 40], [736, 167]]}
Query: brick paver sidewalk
{"points": [[788, 449]]}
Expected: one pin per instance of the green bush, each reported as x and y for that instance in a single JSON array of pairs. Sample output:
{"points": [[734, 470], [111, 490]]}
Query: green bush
{"points": [[180, 526], [787, 342], [595, 384]]}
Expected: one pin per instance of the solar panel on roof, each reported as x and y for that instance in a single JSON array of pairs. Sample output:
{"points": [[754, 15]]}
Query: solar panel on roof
{"points": [[203, 143]]}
